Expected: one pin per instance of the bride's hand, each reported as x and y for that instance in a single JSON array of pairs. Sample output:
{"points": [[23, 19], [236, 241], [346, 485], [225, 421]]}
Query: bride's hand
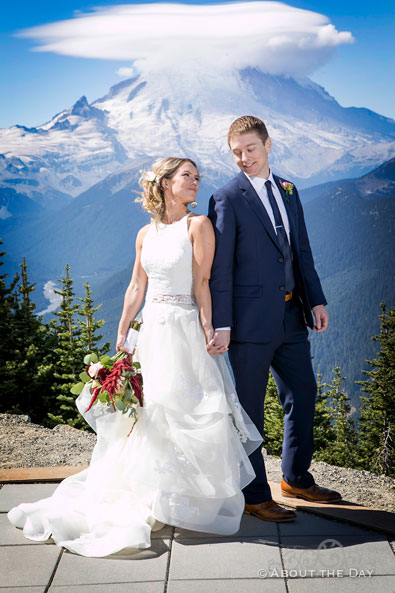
{"points": [[120, 344], [219, 343]]}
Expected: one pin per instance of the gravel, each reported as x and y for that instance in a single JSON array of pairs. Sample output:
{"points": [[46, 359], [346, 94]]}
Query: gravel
{"points": [[360, 486], [24, 444]]}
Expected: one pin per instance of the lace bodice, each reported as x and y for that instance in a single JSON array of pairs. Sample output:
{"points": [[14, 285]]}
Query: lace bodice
{"points": [[167, 259]]}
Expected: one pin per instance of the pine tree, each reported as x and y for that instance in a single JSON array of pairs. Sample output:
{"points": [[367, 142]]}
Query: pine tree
{"points": [[25, 289], [89, 325], [274, 420], [8, 302], [25, 381], [342, 450], [69, 355], [324, 434], [345, 446], [377, 420]]}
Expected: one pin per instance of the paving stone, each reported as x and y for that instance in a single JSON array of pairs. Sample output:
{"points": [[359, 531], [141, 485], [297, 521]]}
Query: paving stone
{"points": [[249, 527], [228, 586], [124, 567], [22, 590], [342, 585], [144, 587], [343, 553], [27, 566], [222, 559], [13, 494], [309, 524]]}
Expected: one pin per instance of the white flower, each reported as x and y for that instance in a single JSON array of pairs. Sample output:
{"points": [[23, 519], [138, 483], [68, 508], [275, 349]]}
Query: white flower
{"points": [[94, 369], [149, 176]]}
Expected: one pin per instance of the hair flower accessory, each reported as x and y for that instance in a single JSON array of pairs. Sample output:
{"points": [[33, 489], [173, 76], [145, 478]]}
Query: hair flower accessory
{"points": [[288, 187], [150, 177]]}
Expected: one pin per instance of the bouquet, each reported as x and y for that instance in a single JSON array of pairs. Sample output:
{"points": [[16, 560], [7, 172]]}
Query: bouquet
{"points": [[115, 382]]}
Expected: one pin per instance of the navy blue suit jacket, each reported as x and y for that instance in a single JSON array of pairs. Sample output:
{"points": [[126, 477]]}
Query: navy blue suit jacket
{"points": [[248, 278]]}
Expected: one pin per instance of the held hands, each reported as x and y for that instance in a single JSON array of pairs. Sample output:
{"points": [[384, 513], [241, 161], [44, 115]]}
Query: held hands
{"points": [[321, 318], [219, 343]]}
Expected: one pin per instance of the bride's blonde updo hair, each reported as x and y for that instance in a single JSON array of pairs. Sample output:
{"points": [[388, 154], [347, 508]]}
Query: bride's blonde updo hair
{"points": [[153, 196]]}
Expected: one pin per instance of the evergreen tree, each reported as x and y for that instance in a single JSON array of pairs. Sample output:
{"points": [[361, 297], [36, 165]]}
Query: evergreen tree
{"points": [[69, 355], [75, 330], [274, 420], [25, 289], [377, 420], [25, 381], [89, 325], [343, 451], [8, 302], [324, 434]]}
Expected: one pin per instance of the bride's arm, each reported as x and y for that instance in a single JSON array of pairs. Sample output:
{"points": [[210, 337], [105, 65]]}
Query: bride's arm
{"points": [[135, 292], [203, 240]]}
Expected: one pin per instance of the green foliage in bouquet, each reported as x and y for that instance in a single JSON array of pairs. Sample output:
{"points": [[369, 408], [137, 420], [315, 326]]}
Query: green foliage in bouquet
{"points": [[115, 382]]}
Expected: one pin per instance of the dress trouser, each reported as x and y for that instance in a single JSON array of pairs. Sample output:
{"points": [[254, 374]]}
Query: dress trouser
{"points": [[289, 359]]}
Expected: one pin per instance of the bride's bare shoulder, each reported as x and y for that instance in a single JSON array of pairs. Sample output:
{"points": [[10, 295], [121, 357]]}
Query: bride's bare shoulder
{"points": [[198, 219], [141, 234], [200, 227]]}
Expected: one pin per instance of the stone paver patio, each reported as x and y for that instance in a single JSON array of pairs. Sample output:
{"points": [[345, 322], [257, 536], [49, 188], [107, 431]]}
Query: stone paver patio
{"points": [[310, 554]]}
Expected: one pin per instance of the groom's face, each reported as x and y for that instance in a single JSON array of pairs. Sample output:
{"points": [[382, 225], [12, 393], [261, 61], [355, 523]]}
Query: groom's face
{"points": [[251, 154]]}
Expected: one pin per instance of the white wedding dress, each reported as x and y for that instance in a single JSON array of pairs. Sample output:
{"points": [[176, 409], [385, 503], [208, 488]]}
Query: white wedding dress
{"points": [[186, 460]]}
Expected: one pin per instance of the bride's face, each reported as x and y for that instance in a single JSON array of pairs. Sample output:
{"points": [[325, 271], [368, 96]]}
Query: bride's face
{"points": [[184, 184]]}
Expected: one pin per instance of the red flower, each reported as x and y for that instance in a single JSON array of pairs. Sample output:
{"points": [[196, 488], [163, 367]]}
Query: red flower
{"points": [[110, 384], [102, 374], [136, 382], [95, 394], [112, 381]]}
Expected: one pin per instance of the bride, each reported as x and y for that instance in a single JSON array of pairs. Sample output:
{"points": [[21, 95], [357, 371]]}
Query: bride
{"points": [[186, 460]]}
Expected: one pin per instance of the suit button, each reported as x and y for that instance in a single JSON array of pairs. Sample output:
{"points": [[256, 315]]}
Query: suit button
{"points": [[282, 287], [281, 260]]}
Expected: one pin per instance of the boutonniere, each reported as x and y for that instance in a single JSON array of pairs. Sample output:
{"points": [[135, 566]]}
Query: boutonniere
{"points": [[288, 187]]}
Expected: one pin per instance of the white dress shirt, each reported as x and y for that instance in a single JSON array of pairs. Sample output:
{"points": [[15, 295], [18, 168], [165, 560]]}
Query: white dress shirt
{"points": [[258, 183]]}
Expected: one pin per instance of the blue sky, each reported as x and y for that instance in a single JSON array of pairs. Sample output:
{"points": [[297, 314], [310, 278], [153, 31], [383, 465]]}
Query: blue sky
{"points": [[35, 85]]}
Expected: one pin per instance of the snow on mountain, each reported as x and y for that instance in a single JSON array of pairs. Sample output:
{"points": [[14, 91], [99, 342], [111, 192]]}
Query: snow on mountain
{"points": [[188, 113], [311, 132], [68, 154]]}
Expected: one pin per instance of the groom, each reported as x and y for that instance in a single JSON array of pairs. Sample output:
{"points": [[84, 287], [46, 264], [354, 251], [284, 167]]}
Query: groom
{"points": [[265, 291]]}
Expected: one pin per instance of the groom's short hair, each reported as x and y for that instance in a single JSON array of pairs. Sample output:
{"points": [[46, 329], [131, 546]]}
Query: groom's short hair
{"points": [[247, 124]]}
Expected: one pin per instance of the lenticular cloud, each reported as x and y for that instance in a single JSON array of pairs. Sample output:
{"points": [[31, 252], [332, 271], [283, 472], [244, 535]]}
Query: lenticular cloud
{"points": [[272, 36]]}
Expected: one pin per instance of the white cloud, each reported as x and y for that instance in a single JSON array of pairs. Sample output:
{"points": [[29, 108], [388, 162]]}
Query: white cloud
{"points": [[272, 36], [126, 72]]}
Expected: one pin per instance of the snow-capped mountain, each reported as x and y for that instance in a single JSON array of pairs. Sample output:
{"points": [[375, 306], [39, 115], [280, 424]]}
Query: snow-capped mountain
{"points": [[66, 155], [314, 138]]}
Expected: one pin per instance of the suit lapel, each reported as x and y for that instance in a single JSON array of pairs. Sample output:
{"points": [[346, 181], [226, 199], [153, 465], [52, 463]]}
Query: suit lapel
{"points": [[257, 206], [290, 211]]}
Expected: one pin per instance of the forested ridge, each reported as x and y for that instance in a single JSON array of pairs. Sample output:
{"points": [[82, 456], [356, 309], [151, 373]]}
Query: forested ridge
{"points": [[40, 361], [351, 225]]}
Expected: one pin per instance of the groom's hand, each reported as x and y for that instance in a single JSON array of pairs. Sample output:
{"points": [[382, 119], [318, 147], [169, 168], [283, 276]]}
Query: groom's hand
{"points": [[321, 318], [219, 343]]}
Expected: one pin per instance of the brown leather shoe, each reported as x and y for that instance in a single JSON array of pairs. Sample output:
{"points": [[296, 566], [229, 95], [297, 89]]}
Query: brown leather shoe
{"points": [[313, 494], [269, 511]]}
